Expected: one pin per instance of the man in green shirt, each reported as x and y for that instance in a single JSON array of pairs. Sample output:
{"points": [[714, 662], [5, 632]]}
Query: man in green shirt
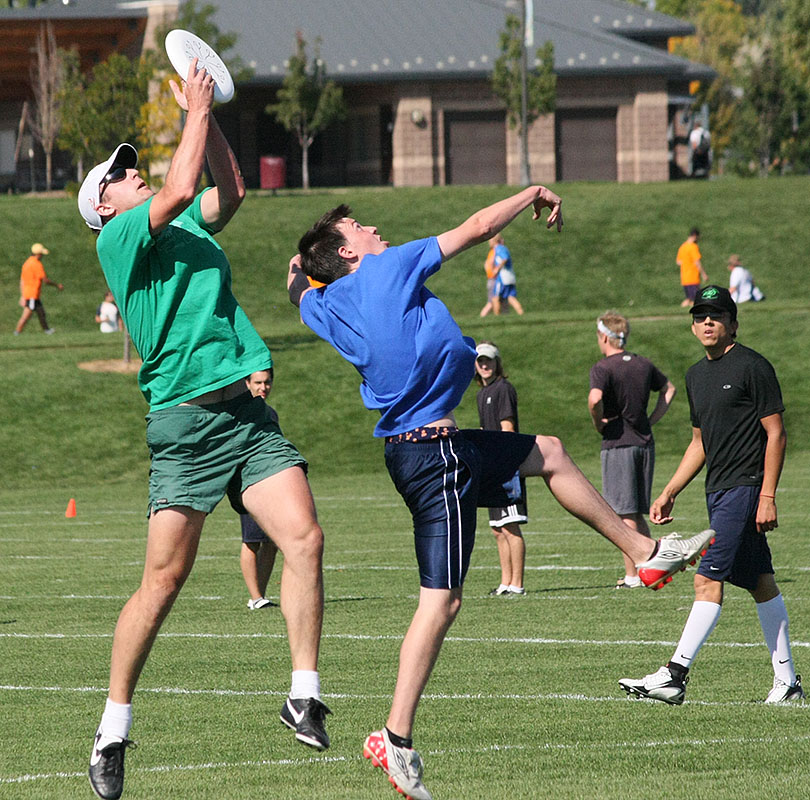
{"points": [[207, 435]]}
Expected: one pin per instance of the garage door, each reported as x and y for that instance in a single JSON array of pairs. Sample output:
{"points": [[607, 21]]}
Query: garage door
{"points": [[475, 147], [586, 145]]}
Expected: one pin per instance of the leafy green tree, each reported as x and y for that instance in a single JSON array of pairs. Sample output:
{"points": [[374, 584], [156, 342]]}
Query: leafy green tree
{"points": [[100, 109], [307, 102], [721, 28], [507, 82]]}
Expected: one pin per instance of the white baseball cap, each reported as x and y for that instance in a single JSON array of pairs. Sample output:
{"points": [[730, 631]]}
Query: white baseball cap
{"points": [[125, 155], [487, 350]]}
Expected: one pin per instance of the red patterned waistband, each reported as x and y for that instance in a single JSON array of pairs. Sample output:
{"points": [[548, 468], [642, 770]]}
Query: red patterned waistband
{"points": [[422, 435]]}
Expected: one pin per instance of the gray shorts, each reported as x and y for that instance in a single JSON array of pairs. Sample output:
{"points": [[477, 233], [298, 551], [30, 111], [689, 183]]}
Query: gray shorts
{"points": [[627, 474]]}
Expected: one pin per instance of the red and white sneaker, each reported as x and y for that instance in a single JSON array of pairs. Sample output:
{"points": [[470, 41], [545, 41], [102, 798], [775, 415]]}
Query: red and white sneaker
{"points": [[674, 553], [402, 765]]}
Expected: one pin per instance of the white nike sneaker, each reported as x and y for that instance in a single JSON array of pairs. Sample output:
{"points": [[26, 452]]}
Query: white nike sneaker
{"points": [[661, 685], [785, 693]]}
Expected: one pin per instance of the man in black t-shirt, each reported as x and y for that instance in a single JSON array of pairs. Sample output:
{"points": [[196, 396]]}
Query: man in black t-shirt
{"points": [[620, 387], [737, 431]]}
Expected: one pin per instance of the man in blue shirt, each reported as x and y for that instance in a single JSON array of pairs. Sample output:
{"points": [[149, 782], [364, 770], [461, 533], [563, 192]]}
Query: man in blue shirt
{"points": [[416, 365]]}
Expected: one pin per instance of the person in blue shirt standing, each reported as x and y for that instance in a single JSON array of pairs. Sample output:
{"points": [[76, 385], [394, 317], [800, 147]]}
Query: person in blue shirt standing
{"points": [[416, 365], [505, 280]]}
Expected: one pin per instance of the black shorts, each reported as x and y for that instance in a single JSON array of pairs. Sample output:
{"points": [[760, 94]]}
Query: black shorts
{"points": [[32, 304], [251, 532], [443, 481], [739, 554]]}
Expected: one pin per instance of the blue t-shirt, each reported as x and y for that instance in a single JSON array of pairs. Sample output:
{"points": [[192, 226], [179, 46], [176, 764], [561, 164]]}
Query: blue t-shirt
{"points": [[414, 360], [503, 259]]}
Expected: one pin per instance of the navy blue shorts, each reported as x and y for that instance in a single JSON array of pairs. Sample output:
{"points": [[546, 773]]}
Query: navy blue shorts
{"points": [[251, 532], [443, 481], [739, 554]]}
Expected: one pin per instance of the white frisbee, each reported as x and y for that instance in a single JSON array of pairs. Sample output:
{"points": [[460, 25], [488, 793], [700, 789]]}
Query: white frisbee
{"points": [[183, 47]]}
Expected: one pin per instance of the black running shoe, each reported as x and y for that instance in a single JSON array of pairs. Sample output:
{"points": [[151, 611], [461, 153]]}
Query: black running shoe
{"points": [[305, 716], [107, 768]]}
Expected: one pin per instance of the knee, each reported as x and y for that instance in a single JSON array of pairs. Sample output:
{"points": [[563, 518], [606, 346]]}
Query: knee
{"points": [[160, 590], [552, 452], [306, 543]]}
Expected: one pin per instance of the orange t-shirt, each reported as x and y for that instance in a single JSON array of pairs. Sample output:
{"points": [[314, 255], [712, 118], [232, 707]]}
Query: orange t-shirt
{"points": [[688, 256], [489, 264], [32, 275]]}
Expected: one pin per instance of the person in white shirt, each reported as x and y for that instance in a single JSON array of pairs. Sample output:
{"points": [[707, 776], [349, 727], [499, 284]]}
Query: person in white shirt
{"points": [[741, 282], [107, 316]]}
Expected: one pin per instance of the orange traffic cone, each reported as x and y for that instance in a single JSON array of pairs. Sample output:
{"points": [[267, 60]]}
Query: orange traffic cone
{"points": [[70, 511]]}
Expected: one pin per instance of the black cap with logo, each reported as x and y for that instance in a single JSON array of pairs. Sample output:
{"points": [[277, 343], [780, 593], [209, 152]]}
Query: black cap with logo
{"points": [[714, 298]]}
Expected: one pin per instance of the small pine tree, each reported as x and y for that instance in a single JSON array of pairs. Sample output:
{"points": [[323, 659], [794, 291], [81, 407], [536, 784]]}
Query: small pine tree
{"points": [[307, 101]]}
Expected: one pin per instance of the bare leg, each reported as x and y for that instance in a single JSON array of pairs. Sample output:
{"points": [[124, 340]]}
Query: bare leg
{"points": [[637, 523], [486, 309], [515, 303], [577, 495], [517, 552], [265, 560], [24, 317], [496, 305], [282, 505], [42, 320], [434, 615], [249, 562], [504, 555], [171, 547]]}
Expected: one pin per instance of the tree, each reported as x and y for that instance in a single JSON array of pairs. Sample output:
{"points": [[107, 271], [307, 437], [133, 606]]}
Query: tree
{"points": [[100, 110], [721, 28], [307, 101], [525, 100], [46, 80]]}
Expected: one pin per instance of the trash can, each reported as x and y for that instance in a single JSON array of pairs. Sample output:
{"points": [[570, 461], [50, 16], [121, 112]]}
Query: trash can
{"points": [[272, 172]]}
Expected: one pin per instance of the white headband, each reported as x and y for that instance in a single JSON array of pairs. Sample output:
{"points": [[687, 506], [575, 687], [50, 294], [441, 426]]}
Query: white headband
{"points": [[602, 328]]}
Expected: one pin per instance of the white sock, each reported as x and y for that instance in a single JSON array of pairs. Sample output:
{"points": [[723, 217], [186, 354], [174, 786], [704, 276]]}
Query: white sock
{"points": [[632, 580], [699, 625], [774, 621], [305, 683], [115, 722], [516, 589], [503, 587]]}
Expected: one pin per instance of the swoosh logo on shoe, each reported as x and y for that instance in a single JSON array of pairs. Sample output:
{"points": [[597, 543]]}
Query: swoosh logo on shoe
{"points": [[95, 757], [296, 715]]}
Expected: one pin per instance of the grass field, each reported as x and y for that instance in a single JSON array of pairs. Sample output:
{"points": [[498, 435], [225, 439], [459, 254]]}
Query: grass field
{"points": [[524, 701]]}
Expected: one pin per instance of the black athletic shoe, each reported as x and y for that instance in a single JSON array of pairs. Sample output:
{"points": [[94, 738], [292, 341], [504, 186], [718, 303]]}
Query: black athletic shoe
{"points": [[305, 716], [107, 768]]}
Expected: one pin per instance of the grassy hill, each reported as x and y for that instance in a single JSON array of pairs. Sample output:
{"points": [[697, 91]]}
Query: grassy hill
{"points": [[617, 251]]}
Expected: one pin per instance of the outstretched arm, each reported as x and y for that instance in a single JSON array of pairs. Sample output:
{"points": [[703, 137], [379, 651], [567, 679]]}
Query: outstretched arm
{"points": [[183, 177], [484, 224], [297, 283]]}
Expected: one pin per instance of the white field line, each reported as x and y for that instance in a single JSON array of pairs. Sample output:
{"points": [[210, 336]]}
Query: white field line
{"points": [[325, 760], [398, 637], [482, 696]]}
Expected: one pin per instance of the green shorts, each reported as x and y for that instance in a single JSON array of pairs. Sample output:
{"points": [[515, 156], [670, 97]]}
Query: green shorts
{"points": [[201, 453]]}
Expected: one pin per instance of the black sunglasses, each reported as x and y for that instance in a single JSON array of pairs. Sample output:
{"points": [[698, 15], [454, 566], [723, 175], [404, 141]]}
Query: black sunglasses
{"points": [[715, 316], [115, 175]]}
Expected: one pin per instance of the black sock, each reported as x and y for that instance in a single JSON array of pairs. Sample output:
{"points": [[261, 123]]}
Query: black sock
{"points": [[678, 670], [398, 741]]}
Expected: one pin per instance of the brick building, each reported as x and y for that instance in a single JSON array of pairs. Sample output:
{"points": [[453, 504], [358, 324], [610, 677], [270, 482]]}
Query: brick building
{"points": [[415, 75]]}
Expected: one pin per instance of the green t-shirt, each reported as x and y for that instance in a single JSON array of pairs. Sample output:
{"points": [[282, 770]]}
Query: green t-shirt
{"points": [[174, 294]]}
